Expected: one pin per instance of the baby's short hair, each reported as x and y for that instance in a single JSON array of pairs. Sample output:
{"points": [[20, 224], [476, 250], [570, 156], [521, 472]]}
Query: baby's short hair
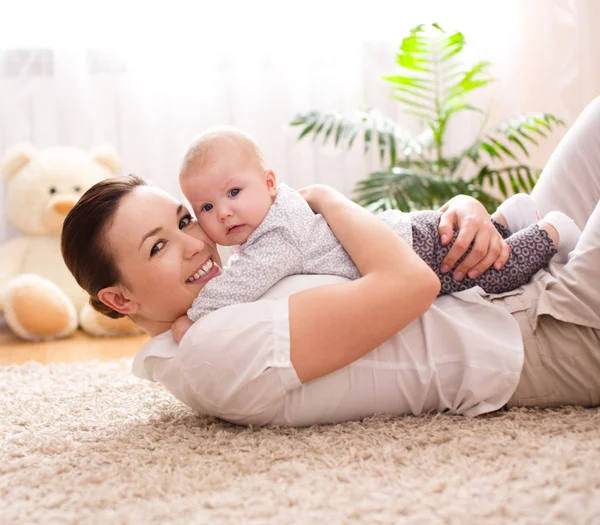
{"points": [[205, 147]]}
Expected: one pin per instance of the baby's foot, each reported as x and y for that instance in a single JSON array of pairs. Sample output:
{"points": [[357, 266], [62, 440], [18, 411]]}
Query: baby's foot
{"points": [[568, 233], [517, 212]]}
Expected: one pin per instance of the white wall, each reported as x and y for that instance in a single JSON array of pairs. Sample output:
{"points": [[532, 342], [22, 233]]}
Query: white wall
{"points": [[254, 65]]}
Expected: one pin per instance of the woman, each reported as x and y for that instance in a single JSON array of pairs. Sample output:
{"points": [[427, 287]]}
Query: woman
{"points": [[319, 349]]}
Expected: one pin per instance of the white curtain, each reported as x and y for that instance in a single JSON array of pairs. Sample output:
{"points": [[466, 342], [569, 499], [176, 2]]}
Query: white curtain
{"points": [[83, 73]]}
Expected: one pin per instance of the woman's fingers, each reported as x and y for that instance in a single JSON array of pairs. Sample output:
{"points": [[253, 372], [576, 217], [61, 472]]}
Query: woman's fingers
{"points": [[504, 255], [314, 195], [480, 249], [446, 226], [466, 235], [489, 248], [498, 253], [306, 192], [477, 232]]}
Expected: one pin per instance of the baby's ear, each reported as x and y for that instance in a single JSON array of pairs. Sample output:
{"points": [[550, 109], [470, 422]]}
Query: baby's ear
{"points": [[16, 157], [106, 154], [271, 180]]}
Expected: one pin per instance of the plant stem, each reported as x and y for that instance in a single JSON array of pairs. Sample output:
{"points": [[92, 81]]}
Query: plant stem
{"points": [[438, 136]]}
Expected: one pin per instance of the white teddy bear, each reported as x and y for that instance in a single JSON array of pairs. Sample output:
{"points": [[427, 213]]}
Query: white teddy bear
{"points": [[38, 296]]}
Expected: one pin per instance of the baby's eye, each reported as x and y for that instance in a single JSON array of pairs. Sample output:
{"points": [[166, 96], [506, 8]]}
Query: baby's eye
{"points": [[185, 221], [234, 192], [157, 248], [206, 207]]}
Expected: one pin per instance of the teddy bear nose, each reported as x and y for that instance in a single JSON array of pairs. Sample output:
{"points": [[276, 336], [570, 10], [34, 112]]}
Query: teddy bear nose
{"points": [[63, 206]]}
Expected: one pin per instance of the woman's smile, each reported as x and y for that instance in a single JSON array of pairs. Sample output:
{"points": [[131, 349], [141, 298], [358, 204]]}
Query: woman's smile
{"points": [[204, 273]]}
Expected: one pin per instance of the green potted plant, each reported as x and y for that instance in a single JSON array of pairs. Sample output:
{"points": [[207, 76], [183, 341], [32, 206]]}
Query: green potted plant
{"points": [[417, 172]]}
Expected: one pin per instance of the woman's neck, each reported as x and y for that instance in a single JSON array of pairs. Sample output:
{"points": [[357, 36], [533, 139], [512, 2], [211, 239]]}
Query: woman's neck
{"points": [[152, 328]]}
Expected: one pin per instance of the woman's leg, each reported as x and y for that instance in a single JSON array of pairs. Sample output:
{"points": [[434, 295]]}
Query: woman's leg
{"points": [[561, 330], [561, 367], [570, 181], [561, 326], [575, 296]]}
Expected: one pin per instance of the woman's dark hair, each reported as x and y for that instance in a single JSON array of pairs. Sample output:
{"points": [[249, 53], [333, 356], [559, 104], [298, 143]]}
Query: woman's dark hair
{"points": [[82, 241]]}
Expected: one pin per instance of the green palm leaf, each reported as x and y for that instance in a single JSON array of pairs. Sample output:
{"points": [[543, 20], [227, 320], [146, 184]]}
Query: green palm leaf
{"points": [[375, 128], [519, 178], [405, 189], [515, 132], [432, 88]]}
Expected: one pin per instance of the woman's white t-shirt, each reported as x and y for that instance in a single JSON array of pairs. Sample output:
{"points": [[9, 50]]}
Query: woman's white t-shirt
{"points": [[464, 355]]}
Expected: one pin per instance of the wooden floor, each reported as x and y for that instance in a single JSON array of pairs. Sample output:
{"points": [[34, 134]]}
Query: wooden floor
{"points": [[79, 347]]}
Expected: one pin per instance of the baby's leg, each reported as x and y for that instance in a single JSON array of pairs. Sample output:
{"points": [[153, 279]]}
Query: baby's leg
{"points": [[520, 211], [426, 239], [501, 228], [531, 250], [517, 212], [426, 243]]}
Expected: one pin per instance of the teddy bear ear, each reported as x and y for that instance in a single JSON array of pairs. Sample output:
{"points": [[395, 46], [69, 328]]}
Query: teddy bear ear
{"points": [[106, 154], [15, 158]]}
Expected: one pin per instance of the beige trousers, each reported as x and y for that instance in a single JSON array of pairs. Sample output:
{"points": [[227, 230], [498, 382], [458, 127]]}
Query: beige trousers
{"points": [[559, 311]]}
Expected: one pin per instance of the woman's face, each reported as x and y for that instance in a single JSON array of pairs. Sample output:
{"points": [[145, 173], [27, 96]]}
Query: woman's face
{"points": [[162, 254]]}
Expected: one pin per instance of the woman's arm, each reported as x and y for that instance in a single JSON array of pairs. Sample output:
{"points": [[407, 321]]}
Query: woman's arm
{"points": [[332, 326], [473, 221]]}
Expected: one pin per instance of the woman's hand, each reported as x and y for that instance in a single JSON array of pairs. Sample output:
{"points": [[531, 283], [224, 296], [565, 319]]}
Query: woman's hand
{"points": [[316, 195], [475, 227]]}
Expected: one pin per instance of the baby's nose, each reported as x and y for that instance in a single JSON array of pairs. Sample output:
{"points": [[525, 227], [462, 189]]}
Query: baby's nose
{"points": [[224, 213]]}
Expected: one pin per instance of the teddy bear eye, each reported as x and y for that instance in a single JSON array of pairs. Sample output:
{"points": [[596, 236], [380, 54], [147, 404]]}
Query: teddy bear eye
{"points": [[77, 189], [52, 190]]}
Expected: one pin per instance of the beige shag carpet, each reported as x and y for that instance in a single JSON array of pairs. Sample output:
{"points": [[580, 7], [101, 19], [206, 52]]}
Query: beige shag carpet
{"points": [[89, 443]]}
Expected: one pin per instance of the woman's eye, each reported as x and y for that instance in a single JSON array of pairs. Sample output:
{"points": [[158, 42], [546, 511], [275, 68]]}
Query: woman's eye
{"points": [[157, 248], [185, 221], [206, 207], [234, 192]]}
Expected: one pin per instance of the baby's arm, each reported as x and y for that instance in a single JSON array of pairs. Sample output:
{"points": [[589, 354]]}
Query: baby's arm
{"points": [[180, 327], [250, 273]]}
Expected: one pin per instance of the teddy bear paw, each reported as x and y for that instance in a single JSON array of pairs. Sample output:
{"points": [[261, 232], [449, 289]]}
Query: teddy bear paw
{"points": [[37, 309]]}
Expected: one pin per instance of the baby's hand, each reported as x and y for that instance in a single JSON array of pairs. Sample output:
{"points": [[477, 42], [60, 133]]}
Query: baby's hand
{"points": [[180, 327]]}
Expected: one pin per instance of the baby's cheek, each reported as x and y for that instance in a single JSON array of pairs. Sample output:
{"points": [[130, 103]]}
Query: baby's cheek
{"points": [[211, 229], [204, 222]]}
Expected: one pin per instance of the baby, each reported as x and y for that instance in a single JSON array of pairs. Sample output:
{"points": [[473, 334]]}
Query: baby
{"points": [[238, 203]]}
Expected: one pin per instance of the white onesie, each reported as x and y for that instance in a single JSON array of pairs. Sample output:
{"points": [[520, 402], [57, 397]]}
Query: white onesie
{"points": [[290, 240]]}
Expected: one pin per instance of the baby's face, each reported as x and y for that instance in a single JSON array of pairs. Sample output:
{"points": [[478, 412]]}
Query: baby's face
{"points": [[230, 198]]}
